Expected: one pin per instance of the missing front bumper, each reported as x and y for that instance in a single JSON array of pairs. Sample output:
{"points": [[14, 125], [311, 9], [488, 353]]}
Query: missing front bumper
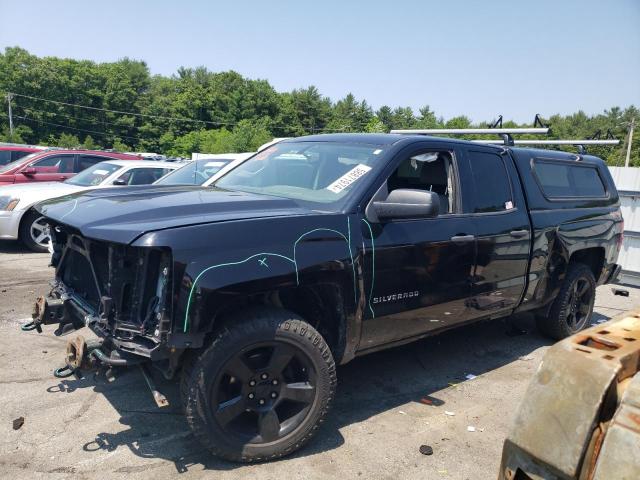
{"points": [[62, 309], [52, 311]]}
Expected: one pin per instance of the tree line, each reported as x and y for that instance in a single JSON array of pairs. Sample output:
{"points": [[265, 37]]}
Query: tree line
{"points": [[120, 105]]}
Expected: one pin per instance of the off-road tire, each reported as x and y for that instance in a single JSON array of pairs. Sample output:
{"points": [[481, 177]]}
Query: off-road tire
{"points": [[250, 327], [555, 324], [24, 232], [188, 363]]}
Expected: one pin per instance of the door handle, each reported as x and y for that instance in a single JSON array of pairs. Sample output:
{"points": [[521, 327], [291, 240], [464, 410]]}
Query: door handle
{"points": [[519, 233], [463, 238]]}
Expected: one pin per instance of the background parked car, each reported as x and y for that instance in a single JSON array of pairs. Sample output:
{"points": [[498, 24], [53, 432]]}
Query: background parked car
{"points": [[19, 221], [11, 153], [54, 165], [198, 172]]}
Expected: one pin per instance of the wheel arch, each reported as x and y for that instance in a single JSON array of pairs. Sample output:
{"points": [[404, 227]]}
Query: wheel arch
{"points": [[322, 305], [592, 257]]}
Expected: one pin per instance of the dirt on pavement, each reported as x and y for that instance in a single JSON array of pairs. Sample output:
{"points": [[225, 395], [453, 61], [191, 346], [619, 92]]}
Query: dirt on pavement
{"points": [[388, 404]]}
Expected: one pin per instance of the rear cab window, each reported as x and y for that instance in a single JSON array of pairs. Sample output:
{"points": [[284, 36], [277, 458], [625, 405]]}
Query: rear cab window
{"points": [[492, 185], [561, 179]]}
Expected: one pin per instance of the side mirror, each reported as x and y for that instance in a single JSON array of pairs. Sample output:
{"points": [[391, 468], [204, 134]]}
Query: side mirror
{"points": [[29, 171], [408, 203], [120, 182]]}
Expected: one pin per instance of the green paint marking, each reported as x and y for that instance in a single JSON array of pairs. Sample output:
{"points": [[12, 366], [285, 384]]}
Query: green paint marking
{"points": [[373, 267], [193, 286], [263, 263], [295, 244], [353, 266]]}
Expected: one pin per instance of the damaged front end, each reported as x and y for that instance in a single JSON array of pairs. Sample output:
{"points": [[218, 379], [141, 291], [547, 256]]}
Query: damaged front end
{"points": [[122, 293]]}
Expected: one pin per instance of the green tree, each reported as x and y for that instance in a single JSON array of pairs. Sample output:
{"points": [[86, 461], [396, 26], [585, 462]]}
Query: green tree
{"points": [[120, 146], [349, 115], [200, 110], [88, 143], [375, 125], [66, 140]]}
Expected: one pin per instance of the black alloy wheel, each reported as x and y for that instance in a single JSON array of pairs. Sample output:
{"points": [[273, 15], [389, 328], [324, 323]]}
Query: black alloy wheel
{"points": [[262, 388], [264, 392], [571, 310], [579, 304]]}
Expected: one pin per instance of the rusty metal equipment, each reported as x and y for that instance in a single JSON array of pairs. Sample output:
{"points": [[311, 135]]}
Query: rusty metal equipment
{"points": [[581, 415], [82, 357], [45, 313], [78, 357], [159, 398]]}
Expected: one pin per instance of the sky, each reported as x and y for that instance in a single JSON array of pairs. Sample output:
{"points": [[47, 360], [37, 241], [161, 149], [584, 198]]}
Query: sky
{"points": [[477, 58]]}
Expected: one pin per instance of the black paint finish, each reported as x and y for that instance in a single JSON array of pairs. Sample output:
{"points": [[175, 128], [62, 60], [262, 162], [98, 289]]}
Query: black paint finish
{"points": [[366, 285]]}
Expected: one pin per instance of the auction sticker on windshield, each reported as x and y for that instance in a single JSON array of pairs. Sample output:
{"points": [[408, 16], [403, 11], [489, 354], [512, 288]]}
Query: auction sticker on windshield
{"points": [[348, 178]]}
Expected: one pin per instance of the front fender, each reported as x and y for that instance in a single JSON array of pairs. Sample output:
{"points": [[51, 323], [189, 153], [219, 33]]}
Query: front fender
{"points": [[217, 264]]}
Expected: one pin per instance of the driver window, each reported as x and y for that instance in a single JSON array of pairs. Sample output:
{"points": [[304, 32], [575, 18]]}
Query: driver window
{"points": [[55, 164], [430, 170]]}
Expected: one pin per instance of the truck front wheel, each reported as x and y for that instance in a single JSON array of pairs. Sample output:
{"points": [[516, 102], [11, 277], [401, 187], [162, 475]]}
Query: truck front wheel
{"points": [[571, 310], [262, 388]]}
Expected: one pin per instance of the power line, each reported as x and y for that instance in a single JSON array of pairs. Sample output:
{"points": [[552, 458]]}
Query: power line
{"points": [[181, 119], [82, 119], [104, 134], [178, 119]]}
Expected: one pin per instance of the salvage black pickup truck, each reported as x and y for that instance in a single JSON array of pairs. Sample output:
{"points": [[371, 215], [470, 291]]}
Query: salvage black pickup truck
{"points": [[315, 251]]}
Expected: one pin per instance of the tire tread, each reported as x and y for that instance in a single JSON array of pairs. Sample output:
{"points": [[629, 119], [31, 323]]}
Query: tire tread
{"points": [[251, 323], [553, 325]]}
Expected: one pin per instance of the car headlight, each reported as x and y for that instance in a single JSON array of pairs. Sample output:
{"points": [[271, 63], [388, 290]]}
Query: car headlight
{"points": [[8, 203]]}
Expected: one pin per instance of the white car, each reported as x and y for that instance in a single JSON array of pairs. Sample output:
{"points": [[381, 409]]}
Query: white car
{"points": [[19, 222], [203, 171]]}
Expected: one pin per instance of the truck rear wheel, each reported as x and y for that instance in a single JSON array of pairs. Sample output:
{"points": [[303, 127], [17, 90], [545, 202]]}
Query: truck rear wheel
{"points": [[262, 388], [571, 310]]}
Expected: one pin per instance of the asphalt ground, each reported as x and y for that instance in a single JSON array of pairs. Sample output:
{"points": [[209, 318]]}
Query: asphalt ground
{"points": [[388, 404]]}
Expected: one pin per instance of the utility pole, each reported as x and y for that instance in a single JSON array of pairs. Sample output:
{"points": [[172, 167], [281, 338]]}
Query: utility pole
{"points": [[9, 96], [626, 160]]}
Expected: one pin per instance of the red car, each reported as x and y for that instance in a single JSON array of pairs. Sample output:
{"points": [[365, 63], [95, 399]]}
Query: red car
{"points": [[54, 165], [11, 153]]}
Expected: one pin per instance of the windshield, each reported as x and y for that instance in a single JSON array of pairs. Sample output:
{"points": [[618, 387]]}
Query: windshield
{"points": [[194, 173], [319, 172], [17, 163], [93, 175]]}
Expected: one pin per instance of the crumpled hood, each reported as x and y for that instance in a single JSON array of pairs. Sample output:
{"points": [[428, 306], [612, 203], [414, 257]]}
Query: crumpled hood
{"points": [[30, 193], [122, 214]]}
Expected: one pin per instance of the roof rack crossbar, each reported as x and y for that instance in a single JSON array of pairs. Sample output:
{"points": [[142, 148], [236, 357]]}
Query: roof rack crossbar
{"points": [[474, 131], [553, 142]]}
